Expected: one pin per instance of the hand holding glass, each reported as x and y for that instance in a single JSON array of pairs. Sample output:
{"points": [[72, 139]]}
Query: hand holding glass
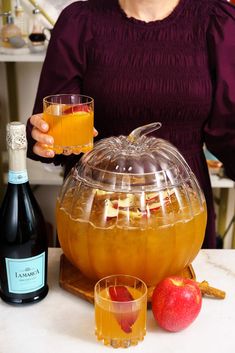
{"points": [[71, 119]]}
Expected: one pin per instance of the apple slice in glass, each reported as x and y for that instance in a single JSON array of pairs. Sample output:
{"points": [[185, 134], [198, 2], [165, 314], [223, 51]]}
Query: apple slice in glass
{"points": [[77, 108], [124, 307]]}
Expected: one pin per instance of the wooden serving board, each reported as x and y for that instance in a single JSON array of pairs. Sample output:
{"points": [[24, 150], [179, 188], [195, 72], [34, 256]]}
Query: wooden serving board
{"points": [[73, 281]]}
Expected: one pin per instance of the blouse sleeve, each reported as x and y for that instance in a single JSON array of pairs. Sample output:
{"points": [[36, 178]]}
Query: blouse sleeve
{"points": [[219, 131], [64, 65]]}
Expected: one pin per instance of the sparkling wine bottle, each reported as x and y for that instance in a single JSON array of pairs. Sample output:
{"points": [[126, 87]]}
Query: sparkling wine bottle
{"points": [[23, 234]]}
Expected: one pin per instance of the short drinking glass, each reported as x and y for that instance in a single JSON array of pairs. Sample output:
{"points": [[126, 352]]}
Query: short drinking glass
{"points": [[120, 310], [71, 119]]}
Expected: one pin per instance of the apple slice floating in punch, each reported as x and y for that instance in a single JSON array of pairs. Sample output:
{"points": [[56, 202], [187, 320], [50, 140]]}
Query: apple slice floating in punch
{"points": [[124, 313], [133, 214], [110, 210], [151, 196], [124, 203], [102, 192], [77, 108], [157, 205], [153, 203], [121, 206]]}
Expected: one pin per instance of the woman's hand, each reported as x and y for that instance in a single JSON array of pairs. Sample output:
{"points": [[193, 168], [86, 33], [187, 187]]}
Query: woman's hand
{"points": [[42, 138], [39, 134]]}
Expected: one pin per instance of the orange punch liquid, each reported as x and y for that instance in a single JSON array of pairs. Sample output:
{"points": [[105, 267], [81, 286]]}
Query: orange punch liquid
{"points": [[103, 234], [70, 125]]}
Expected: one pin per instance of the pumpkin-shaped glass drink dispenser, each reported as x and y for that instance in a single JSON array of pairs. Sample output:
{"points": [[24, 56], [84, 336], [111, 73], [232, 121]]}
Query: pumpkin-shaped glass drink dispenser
{"points": [[133, 206]]}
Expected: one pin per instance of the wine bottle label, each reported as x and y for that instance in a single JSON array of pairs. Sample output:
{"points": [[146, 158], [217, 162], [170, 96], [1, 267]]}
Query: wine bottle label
{"points": [[26, 275], [17, 177]]}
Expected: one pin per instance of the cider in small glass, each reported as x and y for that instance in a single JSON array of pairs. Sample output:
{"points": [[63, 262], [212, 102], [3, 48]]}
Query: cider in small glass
{"points": [[71, 119], [120, 310]]}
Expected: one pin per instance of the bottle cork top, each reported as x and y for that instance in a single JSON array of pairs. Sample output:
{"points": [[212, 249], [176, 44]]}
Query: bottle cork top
{"points": [[16, 136]]}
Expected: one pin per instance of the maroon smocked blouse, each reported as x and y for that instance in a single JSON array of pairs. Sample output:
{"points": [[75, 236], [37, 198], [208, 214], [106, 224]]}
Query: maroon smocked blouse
{"points": [[179, 71]]}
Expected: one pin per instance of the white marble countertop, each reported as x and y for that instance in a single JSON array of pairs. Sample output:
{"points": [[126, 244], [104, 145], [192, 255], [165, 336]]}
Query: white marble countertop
{"points": [[64, 323]]}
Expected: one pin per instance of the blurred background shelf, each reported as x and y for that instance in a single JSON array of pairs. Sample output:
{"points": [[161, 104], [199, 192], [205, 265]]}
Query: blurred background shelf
{"points": [[221, 182], [25, 56]]}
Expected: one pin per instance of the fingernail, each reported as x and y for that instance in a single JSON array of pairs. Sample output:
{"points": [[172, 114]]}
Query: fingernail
{"points": [[95, 132], [50, 153], [49, 141], [44, 126]]}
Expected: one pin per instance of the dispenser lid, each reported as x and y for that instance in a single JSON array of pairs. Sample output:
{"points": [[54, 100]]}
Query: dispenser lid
{"points": [[133, 163]]}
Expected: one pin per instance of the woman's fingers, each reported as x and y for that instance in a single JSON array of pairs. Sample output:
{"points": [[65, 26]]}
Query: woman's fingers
{"points": [[39, 134], [39, 131], [43, 140], [42, 151], [41, 137], [38, 122]]}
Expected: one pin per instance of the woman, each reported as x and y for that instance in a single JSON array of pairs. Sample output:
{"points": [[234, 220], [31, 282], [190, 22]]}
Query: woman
{"points": [[148, 60]]}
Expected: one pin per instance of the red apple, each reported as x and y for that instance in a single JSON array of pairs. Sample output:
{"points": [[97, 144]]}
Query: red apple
{"points": [[176, 302]]}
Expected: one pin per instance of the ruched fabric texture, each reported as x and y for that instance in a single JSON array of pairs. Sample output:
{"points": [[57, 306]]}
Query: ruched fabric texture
{"points": [[179, 71]]}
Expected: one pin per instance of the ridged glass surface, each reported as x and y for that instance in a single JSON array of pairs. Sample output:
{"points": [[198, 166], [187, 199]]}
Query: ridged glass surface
{"points": [[117, 164], [133, 206]]}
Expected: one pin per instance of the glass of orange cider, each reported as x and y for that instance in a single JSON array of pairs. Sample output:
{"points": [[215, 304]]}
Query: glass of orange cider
{"points": [[71, 119], [120, 310]]}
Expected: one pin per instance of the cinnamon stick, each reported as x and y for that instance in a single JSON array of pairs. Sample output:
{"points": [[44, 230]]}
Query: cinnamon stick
{"points": [[207, 290]]}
